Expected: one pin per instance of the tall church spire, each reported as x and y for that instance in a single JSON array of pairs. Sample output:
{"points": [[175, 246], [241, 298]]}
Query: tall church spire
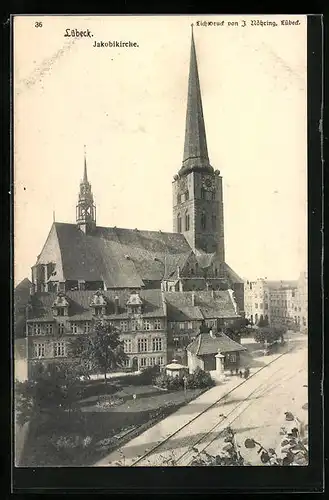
{"points": [[85, 176], [86, 210], [195, 146]]}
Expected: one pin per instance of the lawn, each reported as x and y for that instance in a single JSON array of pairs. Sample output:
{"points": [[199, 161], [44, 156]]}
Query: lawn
{"points": [[103, 419]]}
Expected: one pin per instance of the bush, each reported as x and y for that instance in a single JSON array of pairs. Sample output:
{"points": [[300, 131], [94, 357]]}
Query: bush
{"points": [[167, 382], [149, 374], [199, 379]]}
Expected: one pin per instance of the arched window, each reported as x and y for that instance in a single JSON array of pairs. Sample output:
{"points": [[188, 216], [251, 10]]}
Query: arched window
{"points": [[214, 221], [187, 196], [203, 194], [196, 269], [179, 223], [203, 220], [251, 319], [187, 221], [179, 199], [256, 318]]}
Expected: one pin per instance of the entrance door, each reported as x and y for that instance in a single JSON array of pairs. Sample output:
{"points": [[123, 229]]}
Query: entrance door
{"points": [[135, 365]]}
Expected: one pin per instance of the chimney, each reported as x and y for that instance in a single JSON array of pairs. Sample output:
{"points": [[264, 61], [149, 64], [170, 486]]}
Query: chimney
{"points": [[193, 298], [116, 304]]}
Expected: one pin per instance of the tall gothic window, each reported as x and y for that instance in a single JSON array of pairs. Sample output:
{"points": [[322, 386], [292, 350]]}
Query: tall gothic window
{"points": [[179, 199], [187, 221], [203, 220], [203, 194], [186, 195], [179, 223], [214, 221]]}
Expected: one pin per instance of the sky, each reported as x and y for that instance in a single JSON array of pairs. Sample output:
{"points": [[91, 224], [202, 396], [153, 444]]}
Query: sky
{"points": [[128, 106]]}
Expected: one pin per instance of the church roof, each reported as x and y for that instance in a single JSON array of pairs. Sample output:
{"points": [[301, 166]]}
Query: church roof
{"points": [[121, 258], [207, 305], [195, 146], [205, 344]]}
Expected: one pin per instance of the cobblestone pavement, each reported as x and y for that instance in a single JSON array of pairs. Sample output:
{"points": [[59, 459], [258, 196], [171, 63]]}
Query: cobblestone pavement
{"points": [[197, 424]]}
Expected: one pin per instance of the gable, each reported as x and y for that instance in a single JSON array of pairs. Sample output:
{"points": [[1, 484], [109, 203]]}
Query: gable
{"points": [[51, 252]]}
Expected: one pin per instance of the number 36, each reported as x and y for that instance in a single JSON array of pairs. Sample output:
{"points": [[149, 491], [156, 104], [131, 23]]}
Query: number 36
{"points": [[38, 24]]}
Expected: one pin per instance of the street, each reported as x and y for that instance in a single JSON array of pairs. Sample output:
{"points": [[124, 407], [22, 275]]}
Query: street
{"points": [[254, 408]]}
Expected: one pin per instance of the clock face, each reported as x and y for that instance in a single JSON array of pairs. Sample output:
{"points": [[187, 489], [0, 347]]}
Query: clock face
{"points": [[208, 183]]}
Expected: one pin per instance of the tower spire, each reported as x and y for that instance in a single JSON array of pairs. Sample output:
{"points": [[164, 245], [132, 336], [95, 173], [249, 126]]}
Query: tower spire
{"points": [[85, 176], [86, 210], [195, 147]]}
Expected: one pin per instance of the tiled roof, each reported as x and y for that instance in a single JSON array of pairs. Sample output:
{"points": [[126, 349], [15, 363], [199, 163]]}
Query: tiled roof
{"points": [[79, 308], [204, 344], [207, 304], [122, 258]]}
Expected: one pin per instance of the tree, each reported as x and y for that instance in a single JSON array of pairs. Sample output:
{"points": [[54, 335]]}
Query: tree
{"points": [[100, 351], [269, 334], [262, 322], [65, 378]]}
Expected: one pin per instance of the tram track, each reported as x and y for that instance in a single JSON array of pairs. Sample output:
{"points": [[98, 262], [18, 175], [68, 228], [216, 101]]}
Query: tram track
{"points": [[157, 448]]}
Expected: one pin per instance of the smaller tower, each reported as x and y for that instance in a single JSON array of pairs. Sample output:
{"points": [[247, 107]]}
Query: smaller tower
{"points": [[86, 209]]}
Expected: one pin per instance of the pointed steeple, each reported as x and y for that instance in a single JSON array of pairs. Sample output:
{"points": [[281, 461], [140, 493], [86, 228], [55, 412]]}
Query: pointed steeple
{"points": [[195, 146], [86, 210], [85, 176]]}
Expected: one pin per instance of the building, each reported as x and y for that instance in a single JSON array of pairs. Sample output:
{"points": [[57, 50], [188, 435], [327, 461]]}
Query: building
{"points": [[205, 347], [85, 256], [55, 319], [79, 259], [302, 293], [190, 311], [279, 302]]}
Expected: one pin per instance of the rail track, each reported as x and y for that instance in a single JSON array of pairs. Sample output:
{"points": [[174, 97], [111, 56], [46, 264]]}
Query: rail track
{"points": [[221, 424]]}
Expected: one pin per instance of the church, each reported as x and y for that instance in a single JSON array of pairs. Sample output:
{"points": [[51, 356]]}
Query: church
{"points": [[130, 275], [84, 256]]}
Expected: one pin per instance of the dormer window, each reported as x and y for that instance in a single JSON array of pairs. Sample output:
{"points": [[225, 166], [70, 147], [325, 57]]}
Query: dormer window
{"points": [[61, 305], [98, 304], [134, 304]]}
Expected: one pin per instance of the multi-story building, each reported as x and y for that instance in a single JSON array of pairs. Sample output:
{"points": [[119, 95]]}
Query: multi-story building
{"points": [[54, 320], [155, 326], [280, 302], [302, 293], [190, 311], [257, 300]]}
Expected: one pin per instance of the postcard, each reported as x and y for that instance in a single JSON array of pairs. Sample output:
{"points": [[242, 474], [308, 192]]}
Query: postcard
{"points": [[160, 240]]}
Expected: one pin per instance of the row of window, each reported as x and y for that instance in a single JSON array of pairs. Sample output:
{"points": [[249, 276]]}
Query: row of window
{"points": [[144, 362], [261, 305], [84, 327], [144, 345], [58, 350], [190, 325], [137, 324], [204, 222]]}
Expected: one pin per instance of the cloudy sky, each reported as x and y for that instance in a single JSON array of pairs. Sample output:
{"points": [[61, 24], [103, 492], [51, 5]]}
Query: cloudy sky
{"points": [[128, 106]]}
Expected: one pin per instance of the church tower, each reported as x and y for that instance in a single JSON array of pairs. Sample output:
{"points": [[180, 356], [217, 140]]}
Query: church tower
{"points": [[197, 188], [86, 209]]}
